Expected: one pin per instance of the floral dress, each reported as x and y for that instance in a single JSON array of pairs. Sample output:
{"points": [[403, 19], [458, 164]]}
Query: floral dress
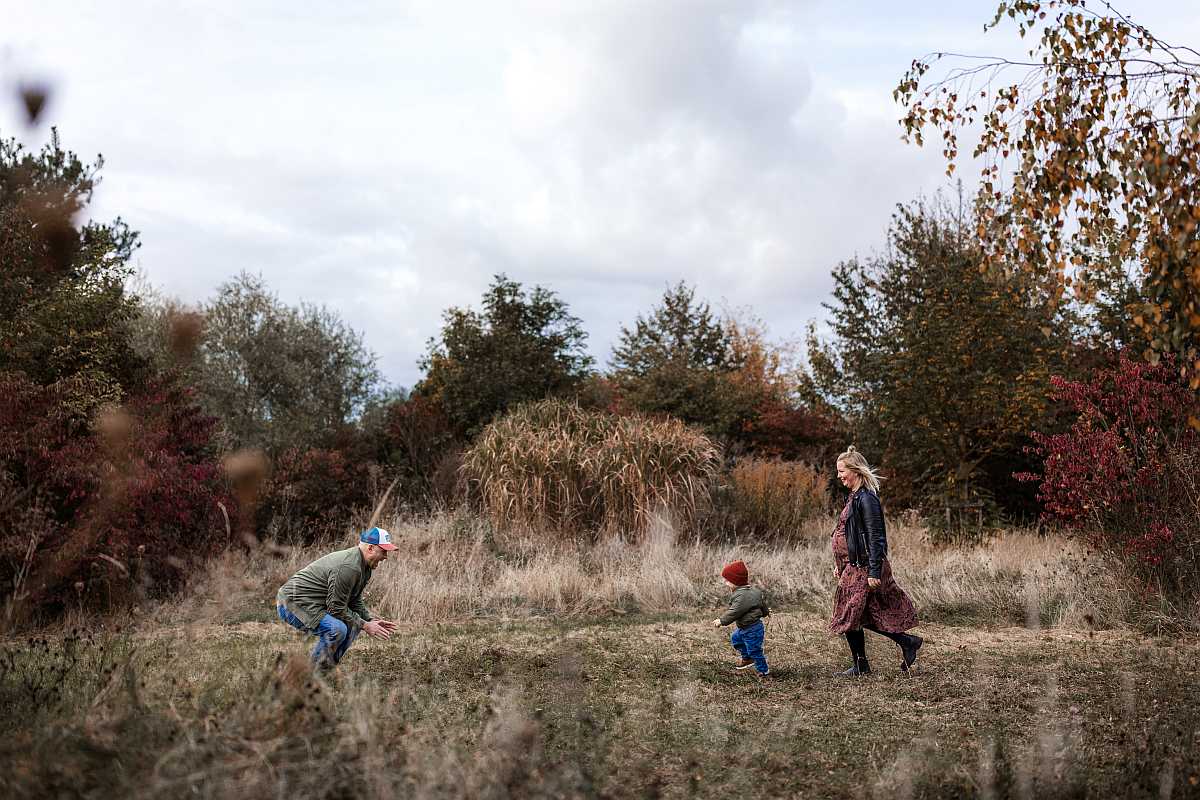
{"points": [[855, 604]]}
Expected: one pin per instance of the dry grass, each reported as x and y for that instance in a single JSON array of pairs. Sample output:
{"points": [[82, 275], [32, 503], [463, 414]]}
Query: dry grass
{"points": [[452, 566], [772, 499], [554, 466], [597, 708], [521, 670]]}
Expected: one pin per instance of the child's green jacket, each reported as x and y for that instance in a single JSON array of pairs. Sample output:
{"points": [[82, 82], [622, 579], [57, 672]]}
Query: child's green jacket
{"points": [[747, 606]]}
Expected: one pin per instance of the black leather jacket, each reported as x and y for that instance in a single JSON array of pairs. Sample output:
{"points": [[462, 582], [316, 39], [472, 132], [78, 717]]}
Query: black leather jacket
{"points": [[866, 539]]}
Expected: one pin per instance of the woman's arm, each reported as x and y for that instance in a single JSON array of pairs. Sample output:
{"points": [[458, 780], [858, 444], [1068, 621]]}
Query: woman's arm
{"points": [[872, 519]]}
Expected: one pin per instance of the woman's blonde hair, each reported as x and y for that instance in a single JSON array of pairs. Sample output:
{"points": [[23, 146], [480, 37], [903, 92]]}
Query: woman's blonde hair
{"points": [[855, 462]]}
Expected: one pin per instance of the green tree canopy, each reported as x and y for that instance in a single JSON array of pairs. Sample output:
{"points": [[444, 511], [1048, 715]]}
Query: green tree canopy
{"points": [[940, 366], [277, 376], [524, 345], [64, 312], [679, 360]]}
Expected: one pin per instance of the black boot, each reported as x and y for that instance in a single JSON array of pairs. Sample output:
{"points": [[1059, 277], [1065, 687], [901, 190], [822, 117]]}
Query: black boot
{"points": [[909, 645], [858, 651], [908, 651]]}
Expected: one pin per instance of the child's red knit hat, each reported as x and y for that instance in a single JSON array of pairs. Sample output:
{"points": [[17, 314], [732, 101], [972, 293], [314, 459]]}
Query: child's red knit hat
{"points": [[736, 573]]}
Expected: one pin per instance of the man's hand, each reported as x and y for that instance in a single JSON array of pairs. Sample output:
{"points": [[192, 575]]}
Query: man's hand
{"points": [[377, 629], [387, 623], [717, 622], [872, 583]]}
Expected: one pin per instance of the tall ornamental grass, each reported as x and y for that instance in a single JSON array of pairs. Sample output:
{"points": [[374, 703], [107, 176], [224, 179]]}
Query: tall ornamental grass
{"points": [[772, 499], [554, 466]]}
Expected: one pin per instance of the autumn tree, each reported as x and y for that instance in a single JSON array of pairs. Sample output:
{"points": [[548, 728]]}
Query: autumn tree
{"points": [[523, 345], [105, 465], [776, 420], [940, 367], [1090, 153]]}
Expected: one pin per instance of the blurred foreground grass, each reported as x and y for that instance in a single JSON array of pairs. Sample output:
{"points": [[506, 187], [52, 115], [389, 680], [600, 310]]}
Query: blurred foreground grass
{"points": [[620, 706]]}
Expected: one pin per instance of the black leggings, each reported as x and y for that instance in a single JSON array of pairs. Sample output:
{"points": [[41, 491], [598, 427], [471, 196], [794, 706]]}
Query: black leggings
{"points": [[899, 638], [858, 640]]}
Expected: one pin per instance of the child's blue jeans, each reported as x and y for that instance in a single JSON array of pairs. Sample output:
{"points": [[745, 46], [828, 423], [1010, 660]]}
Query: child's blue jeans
{"points": [[748, 642], [333, 637]]}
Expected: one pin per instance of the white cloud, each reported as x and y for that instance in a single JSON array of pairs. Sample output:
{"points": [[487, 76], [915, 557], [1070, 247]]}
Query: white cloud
{"points": [[388, 159]]}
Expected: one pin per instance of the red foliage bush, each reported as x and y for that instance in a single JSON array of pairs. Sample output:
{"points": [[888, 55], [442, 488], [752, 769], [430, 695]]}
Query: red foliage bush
{"points": [[311, 491], [778, 430], [133, 505], [1125, 473], [421, 443]]}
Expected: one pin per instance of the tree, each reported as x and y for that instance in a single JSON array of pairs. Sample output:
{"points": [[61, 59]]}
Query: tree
{"points": [[776, 421], [678, 361], [106, 467], [1091, 153], [522, 346], [279, 376], [64, 312], [939, 366]]}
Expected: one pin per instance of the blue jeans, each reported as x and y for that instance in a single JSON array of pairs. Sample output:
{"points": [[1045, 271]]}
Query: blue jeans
{"points": [[748, 642], [333, 637]]}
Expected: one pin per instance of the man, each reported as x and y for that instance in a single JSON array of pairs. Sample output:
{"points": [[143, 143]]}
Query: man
{"points": [[325, 598]]}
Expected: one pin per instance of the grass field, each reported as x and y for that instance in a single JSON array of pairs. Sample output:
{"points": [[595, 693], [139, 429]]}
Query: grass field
{"points": [[624, 707], [596, 673]]}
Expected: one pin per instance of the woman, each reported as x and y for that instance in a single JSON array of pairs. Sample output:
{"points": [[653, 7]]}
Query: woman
{"points": [[866, 595]]}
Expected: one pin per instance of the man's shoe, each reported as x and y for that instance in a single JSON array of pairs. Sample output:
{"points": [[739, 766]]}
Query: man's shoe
{"points": [[861, 667], [909, 652], [744, 663]]}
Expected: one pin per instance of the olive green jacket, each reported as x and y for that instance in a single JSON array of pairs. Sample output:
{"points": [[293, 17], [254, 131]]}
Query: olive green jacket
{"points": [[747, 606], [333, 585]]}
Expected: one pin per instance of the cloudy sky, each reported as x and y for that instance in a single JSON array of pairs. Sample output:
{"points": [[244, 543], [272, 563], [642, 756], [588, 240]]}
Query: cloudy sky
{"points": [[386, 159]]}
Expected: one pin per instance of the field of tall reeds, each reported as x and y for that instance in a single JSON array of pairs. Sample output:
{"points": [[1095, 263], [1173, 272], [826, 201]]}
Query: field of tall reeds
{"points": [[564, 469]]}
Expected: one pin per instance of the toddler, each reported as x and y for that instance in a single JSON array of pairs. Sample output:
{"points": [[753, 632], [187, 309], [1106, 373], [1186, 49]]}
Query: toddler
{"points": [[747, 607]]}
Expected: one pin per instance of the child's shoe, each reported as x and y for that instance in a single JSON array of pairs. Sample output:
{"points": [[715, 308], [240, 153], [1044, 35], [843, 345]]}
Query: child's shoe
{"points": [[745, 663]]}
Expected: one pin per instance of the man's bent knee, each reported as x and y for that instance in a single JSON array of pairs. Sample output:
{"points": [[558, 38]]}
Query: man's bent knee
{"points": [[335, 631]]}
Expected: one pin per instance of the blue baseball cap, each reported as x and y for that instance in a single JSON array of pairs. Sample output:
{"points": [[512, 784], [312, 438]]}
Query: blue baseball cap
{"points": [[378, 537]]}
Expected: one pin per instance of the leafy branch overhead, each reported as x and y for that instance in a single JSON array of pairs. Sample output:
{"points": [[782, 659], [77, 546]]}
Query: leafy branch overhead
{"points": [[1090, 151]]}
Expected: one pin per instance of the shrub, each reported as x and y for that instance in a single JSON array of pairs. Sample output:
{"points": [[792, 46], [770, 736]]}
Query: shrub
{"points": [[420, 440], [128, 507], [1125, 474], [552, 464], [771, 499], [779, 430], [312, 490]]}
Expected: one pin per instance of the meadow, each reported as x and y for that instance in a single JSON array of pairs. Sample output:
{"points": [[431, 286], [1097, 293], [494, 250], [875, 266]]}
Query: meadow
{"points": [[528, 669]]}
